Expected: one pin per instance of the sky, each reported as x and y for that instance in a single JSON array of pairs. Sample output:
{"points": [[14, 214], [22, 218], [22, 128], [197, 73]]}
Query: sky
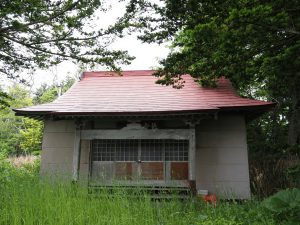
{"points": [[147, 55]]}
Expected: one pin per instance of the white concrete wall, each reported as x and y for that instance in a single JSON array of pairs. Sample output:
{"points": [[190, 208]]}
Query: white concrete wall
{"points": [[57, 148], [222, 157], [221, 154], [84, 161]]}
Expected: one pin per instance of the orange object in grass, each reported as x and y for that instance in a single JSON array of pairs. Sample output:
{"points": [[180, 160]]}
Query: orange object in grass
{"points": [[212, 199]]}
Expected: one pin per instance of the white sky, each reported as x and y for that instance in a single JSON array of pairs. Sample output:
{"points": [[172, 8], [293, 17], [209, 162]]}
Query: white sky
{"points": [[147, 55]]}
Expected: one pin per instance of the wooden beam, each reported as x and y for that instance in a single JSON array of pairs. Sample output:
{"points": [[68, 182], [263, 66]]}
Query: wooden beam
{"points": [[192, 154], [169, 116], [140, 183], [181, 134], [76, 153]]}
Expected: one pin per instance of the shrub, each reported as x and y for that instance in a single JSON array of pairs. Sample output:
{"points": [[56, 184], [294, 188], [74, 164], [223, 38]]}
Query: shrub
{"points": [[286, 205], [293, 174], [17, 167]]}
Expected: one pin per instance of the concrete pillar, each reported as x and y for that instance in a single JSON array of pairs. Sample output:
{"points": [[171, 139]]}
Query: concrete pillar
{"points": [[76, 153], [192, 154]]}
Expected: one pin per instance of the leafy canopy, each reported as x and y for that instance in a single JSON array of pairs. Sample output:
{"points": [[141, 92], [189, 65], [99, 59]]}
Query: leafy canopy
{"points": [[48, 93], [243, 40], [21, 135], [39, 33], [18, 134], [254, 43]]}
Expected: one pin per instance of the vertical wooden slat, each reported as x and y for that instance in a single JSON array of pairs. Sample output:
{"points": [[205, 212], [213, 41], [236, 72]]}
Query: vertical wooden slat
{"points": [[123, 170], [164, 159], [167, 170], [102, 171], [179, 171], [90, 161], [76, 154], [152, 170], [139, 169], [192, 154]]}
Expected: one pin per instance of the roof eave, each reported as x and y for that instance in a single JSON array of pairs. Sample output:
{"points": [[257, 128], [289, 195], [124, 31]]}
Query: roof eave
{"points": [[251, 112], [248, 110], [143, 113]]}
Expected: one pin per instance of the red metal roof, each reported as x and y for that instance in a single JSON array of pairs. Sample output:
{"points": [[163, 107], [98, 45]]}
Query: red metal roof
{"points": [[135, 92]]}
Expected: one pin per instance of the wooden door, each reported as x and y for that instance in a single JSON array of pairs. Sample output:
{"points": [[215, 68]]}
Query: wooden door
{"points": [[113, 160], [176, 156], [151, 158], [154, 161]]}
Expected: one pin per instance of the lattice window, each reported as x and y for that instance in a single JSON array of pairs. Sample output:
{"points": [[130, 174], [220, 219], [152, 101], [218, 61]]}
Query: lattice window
{"points": [[115, 150], [176, 150], [149, 150], [103, 150], [126, 150], [152, 150]]}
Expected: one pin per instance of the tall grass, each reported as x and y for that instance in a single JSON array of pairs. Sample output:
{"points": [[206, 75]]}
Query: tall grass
{"points": [[23, 160], [28, 200]]}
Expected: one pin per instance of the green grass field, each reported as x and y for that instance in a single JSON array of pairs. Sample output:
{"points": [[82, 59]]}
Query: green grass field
{"points": [[26, 199]]}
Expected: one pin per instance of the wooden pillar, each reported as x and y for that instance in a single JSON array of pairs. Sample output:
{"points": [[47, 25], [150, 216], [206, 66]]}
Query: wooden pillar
{"points": [[192, 158], [76, 153]]}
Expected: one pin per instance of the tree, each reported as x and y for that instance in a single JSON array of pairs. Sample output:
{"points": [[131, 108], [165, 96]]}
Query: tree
{"points": [[30, 136], [256, 44], [3, 99], [46, 93], [14, 130], [39, 33], [19, 135]]}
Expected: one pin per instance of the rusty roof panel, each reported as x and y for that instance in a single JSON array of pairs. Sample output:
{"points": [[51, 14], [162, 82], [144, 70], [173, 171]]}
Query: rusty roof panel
{"points": [[137, 92]]}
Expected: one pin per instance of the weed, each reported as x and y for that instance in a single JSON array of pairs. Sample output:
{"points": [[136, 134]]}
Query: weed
{"points": [[27, 199]]}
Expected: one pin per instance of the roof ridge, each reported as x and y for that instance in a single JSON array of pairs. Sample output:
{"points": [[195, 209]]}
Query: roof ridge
{"points": [[99, 71], [117, 74]]}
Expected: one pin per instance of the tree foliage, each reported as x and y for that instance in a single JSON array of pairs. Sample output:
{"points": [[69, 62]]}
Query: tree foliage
{"points": [[14, 129], [48, 93], [21, 135], [256, 44], [30, 136], [4, 97], [39, 33]]}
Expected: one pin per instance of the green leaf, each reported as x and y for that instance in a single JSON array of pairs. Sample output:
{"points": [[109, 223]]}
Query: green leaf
{"points": [[285, 203]]}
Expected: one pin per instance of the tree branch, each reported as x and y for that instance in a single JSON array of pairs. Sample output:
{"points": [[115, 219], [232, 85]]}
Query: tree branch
{"points": [[4, 29], [40, 49], [68, 39]]}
